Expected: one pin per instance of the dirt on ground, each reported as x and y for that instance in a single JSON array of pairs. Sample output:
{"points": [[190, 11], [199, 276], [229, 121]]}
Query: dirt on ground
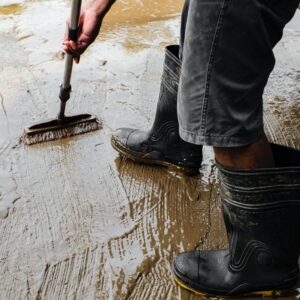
{"points": [[77, 221]]}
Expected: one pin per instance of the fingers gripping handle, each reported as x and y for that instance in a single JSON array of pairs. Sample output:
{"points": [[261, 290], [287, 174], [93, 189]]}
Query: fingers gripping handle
{"points": [[65, 88]]}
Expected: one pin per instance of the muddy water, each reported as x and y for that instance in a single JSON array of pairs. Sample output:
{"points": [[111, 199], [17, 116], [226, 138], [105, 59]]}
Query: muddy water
{"points": [[76, 220], [140, 12]]}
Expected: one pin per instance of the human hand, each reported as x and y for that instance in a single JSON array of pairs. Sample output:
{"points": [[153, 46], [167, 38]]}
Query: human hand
{"points": [[90, 21]]}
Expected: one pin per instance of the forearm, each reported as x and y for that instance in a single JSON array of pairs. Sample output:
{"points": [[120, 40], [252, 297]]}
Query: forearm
{"points": [[99, 7]]}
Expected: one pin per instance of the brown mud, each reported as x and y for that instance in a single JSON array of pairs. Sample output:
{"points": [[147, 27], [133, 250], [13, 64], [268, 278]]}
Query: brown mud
{"points": [[77, 222]]}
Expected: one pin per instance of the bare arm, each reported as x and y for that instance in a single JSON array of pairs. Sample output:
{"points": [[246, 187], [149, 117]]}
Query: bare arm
{"points": [[91, 17]]}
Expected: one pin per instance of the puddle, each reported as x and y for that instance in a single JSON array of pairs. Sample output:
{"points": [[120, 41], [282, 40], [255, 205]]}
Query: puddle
{"points": [[11, 9], [133, 12]]}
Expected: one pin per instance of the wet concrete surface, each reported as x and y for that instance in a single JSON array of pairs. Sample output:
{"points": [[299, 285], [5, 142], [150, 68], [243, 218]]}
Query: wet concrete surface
{"points": [[76, 220]]}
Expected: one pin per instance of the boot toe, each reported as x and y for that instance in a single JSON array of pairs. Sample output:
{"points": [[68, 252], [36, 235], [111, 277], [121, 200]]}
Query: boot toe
{"points": [[131, 141], [140, 146], [120, 136], [203, 271], [185, 265]]}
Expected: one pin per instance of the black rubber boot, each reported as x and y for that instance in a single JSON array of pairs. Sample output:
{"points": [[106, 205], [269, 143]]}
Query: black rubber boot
{"points": [[262, 216], [162, 145]]}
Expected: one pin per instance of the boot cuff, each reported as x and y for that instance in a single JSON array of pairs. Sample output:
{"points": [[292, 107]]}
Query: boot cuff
{"points": [[172, 69], [172, 55], [264, 186], [172, 51]]}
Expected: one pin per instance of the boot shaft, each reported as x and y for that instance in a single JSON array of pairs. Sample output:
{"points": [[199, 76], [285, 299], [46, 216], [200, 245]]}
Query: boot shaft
{"points": [[262, 212], [165, 128], [166, 120]]}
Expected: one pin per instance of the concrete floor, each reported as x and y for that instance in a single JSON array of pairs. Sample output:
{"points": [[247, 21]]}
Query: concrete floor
{"points": [[77, 222]]}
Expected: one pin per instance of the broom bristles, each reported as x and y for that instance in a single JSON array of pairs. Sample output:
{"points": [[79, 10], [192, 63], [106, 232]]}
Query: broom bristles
{"points": [[57, 134]]}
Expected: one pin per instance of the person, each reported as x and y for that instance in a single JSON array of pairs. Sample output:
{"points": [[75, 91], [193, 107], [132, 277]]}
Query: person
{"points": [[211, 94]]}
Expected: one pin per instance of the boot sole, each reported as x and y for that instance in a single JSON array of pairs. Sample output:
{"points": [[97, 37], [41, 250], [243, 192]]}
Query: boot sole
{"points": [[136, 158], [271, 293]]}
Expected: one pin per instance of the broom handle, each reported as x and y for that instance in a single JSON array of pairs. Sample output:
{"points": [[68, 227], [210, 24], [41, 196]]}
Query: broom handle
{"points": [[65, 88], [73, 32]]}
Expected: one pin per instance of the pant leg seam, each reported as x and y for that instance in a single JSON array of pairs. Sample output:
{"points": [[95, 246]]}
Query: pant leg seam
{"points": [[210, 65]]}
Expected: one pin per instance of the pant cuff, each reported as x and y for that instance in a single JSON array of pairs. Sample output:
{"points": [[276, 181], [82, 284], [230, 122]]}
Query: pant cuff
{"points": [[219, 141]]}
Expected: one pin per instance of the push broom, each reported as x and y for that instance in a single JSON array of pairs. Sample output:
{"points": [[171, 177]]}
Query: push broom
{"points": [[63, 126]]}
